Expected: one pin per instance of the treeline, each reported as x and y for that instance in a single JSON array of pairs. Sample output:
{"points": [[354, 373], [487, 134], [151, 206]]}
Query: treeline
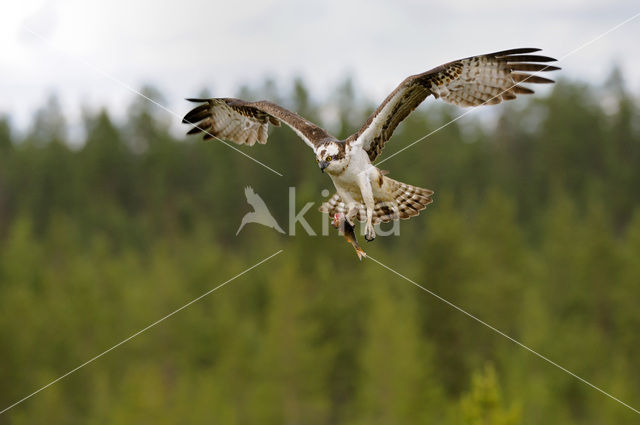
{"points": [[535, 229]]}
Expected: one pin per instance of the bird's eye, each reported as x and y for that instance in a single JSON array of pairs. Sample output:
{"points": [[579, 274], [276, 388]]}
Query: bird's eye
{"points": [[328, 158]]}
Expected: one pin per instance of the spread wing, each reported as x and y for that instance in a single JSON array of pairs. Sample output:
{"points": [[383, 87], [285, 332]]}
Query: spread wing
{"points": [[246, 123], [471, 81]]}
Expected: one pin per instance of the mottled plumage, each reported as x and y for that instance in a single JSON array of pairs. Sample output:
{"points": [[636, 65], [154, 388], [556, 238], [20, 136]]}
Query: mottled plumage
{"points": [[486, 79], [247, 122], [363, 192]]}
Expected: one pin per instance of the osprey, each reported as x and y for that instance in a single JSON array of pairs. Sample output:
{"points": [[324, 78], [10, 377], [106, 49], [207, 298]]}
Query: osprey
{"points": [[363, 191]]}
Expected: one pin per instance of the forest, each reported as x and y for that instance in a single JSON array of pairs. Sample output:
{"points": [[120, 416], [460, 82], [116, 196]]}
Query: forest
{"points": [[535, 230]]}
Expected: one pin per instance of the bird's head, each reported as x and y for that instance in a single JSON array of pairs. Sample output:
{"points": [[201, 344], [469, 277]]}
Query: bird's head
{"points": [[331, 156]]}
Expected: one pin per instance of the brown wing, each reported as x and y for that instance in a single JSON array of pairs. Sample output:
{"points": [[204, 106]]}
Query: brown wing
{"points": [[248, 122], [471, 81]]}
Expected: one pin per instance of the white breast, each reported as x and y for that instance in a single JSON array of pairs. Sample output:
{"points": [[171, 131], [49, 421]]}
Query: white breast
{"points": [[359, 163]]}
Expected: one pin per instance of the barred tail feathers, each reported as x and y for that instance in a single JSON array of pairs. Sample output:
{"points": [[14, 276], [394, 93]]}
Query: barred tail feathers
{"points": [[409, 200]]}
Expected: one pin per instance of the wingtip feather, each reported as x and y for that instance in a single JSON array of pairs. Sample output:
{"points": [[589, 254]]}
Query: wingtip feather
{"points": [[528, 58], [194, 130], [529, 78], [517, 51], [534, 67], [522, 90]]}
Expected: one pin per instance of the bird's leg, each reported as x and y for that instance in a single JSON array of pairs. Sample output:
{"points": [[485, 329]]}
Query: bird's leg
{"points": [[352, 211], [367, 197], [352, 207]]}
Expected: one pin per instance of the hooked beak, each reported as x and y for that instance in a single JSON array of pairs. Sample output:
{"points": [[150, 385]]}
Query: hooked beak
{"points": [[323, 165]]}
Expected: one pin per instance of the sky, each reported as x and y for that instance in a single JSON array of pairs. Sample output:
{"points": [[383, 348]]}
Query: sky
{"points": [[92, 54]]}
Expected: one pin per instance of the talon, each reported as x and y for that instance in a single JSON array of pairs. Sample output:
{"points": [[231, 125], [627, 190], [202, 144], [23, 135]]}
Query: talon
{"points": [[370, 234]]}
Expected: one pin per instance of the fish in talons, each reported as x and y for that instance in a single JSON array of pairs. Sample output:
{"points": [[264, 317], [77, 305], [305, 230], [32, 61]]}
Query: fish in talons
{"points": [[347, 230]]}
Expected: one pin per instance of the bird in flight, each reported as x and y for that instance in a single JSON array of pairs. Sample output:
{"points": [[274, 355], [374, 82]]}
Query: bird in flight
{"points": [[364, 192]]}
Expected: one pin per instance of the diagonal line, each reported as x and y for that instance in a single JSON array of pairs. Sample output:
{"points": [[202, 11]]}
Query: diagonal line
{"points": [[577, 49], [134, 91], [139, 332], [531, 350]]}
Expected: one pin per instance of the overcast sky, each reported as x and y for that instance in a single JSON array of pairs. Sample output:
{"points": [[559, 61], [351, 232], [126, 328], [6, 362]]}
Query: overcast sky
{"points": [[183, 46]]}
